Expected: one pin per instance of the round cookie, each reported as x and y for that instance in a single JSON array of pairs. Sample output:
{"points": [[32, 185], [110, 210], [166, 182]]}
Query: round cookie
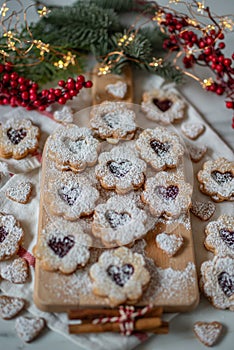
{"points": [[167, 195], [120, 170], [217, 282], [113, 120], [160, 148], [18, 138], [118, 221], [71, 196], [120, 275], [73, 148], [163, 106], [11, 236], [220, 236], [217, 179], [63, 247]]}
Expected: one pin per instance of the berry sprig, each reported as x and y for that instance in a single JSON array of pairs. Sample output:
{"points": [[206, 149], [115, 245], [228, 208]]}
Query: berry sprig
{"points": [[16, 90], [204, 50]]}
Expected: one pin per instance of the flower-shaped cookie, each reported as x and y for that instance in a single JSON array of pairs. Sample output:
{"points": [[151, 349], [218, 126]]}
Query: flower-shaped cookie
{"points": [[167, 194], [217, 179], [120, 275], [11, 236], [73, 148], [220, 236], [113, 120], [217, 282], [63, 247], [120, 169], [18, 138], [70, 195], [159, 147], [163, 106], [118, 221]]}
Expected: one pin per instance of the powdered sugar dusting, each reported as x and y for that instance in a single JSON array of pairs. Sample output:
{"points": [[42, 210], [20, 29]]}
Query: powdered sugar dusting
{"points": [[208, 333]]}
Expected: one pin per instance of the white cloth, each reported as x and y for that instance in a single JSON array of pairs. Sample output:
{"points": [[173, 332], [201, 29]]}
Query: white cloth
{"points": [[29, 168]]}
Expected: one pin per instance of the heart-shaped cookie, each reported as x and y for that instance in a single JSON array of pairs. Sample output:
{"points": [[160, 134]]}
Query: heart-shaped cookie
{"points": [[169, 243], [192, 130], [203, 210], [208, 332], [118, 89], [61, 246], [16, 135], [29, 328], [119, 168], [120, 275], [20, 192], [117, 219], [16, 272], [10, 306]]}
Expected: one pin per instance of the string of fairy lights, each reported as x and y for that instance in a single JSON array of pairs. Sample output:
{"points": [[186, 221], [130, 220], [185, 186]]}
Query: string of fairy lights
{"points": [[197, 19]]}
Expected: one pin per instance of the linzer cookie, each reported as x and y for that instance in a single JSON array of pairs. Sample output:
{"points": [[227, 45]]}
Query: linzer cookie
{"points": [[217, 179], [18, 138], [208, 332], [119, 275], [120, 170], [29, 328], [220, 236], [169, 243], [10, 306], [113, 120], [71, 196], [11, 236], [192, 130], [196, 152], [63, 247], [118, 221], [163, 106], [167, 195], [217, 282], [160, 148], [203, 210], [20, 192], [16, 271], [73, 148]]}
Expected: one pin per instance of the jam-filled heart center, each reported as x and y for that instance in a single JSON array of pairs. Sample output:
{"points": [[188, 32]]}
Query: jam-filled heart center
{"points": [[226, 282], [160, 148], [16, 135], [222, 178], [117, 219], [76, 146], [227, 236], [168, 193], [112, 119], [69, 194], [3, 233], [120, 275], [61, 246], [163, 105], [119, 168]]}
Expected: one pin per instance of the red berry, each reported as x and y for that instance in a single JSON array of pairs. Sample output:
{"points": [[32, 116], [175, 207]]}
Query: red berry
{"points": [[62, 100], [229, 104], [73, 92], [34, 86], [23, 104], [23, 87], [209, 40], [88, 84], [14, 76], [61, 83], [13, 101], [24, 95], [21, 80], [221, 58], [219, 91], [70, 80], [212, 32], [67, 96], [202, 44], [8, 66], [213, 66], [6, 77], [51, 96], [33, 97], [233, 56], [214, 59], [57, 92], [219, 68], [227, 62], [37, 103], [71, 85], [207, 51], [2, 67], [179, 26], [169, 16], [221, 36], [5, 101], [14, 84], [222, 45], [44, 93], [42, 108], [80, 79], [213, 88], [79, 86]]}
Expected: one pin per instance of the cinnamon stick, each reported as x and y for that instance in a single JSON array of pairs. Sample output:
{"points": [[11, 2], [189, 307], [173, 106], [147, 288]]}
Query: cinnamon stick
{"points": [[89, 314], [163, 329], [142, 324]]}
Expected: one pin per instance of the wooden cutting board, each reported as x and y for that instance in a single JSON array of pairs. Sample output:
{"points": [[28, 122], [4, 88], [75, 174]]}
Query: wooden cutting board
{"points": [[174, 280]]}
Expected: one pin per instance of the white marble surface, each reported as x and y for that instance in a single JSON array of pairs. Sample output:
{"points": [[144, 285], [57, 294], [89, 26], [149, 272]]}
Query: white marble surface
{"points": [[181, 335]]}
